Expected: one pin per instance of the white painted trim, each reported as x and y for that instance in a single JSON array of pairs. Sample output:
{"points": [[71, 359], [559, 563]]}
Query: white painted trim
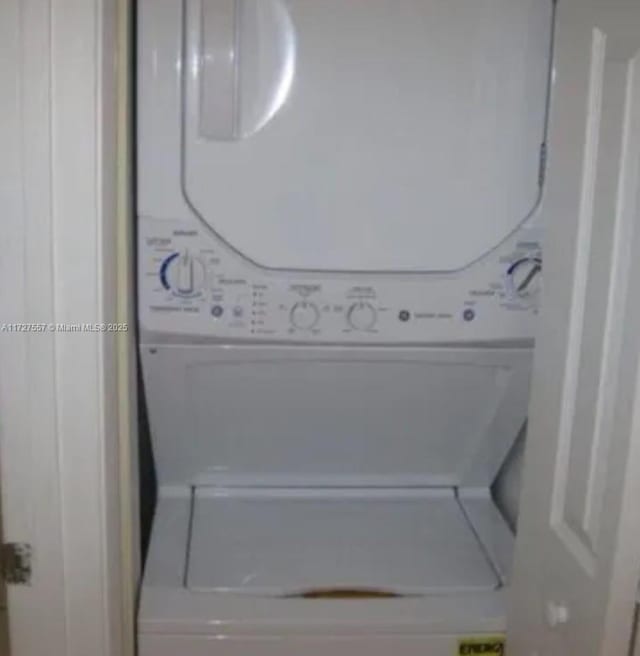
{"points": [[30, 491], [60, 392]]}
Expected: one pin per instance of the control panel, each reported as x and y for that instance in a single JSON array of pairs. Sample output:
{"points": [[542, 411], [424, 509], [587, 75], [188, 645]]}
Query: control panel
{"points": [[192, 284]]}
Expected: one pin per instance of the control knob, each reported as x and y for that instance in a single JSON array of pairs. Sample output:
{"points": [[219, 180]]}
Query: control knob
{"points": [[183, 274], [304, 315], [362, 316], [524, 279]]}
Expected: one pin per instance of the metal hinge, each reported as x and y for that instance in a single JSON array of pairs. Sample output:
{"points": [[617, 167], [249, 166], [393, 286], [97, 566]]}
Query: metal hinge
{"points": [[542, 173], [16, 563]]}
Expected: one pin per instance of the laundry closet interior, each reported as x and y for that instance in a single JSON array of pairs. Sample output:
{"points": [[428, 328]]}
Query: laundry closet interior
{"points": [[340, 225]]}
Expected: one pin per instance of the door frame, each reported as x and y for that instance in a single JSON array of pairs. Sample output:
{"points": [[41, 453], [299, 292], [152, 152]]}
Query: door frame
{"points": [[69, 216], [68, 397]]}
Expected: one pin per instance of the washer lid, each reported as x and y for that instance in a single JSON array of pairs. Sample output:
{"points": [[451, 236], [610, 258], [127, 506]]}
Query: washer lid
{"points": [[364, 135], [275, 542]]}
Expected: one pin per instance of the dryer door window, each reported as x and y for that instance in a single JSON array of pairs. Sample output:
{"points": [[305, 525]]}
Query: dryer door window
{"points": [[364, 135]]}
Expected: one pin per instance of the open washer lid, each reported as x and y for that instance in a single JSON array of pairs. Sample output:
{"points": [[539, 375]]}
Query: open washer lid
{"points": [[364, 135]]}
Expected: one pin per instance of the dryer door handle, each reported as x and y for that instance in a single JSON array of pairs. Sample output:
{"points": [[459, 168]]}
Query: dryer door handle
{"points": [[245, 62], [218, 67]]}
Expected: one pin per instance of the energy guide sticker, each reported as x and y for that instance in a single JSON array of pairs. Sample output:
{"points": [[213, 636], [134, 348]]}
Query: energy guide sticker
{"points": [[482, 646]]}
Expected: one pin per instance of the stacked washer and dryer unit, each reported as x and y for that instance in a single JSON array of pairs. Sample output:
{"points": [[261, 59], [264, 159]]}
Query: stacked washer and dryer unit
{"points": [[339, 270]]}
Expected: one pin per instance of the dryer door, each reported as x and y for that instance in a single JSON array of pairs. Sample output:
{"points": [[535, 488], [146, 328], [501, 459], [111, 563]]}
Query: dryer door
{"points": [[364, 135]]}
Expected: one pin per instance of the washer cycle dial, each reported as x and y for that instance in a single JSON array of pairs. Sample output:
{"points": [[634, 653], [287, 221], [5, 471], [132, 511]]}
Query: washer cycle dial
{"points": [[524, 279], [183, 274], [304, 315], [362, 316]]}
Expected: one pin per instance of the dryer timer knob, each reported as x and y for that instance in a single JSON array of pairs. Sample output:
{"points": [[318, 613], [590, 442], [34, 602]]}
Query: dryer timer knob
{"points": [[183, 274]]}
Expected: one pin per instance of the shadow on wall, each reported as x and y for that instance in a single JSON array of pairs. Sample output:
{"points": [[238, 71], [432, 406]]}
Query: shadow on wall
{"points": [[508, 483], [148, 480]]}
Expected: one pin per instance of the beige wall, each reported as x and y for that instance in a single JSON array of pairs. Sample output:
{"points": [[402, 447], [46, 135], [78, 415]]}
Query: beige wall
{"points": [[126, 346]]}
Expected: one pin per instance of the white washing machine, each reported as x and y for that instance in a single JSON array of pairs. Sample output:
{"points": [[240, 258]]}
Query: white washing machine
{"points": [[339, 267]]}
